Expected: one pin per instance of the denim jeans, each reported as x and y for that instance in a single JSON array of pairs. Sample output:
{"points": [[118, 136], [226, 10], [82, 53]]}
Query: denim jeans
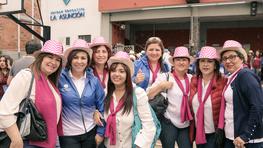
{"points": [[210, 141], [230, 144], [171, 134]]}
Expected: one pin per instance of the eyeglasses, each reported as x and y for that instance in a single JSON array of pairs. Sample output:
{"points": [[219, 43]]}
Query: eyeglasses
{"points": [[231, 58]]}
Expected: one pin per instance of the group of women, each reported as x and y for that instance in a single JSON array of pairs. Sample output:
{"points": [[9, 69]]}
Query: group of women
{"points": [[89, 102]]}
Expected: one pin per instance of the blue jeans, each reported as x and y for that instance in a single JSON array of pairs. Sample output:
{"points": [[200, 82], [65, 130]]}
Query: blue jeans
{"points": [[230, 144], [171, 134], [210, 141]]}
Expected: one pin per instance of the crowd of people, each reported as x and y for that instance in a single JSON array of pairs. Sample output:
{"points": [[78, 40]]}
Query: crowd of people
{"points": [[86, 95]]}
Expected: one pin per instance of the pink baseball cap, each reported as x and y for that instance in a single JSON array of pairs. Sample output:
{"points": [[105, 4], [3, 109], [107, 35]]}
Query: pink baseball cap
{"points": [[122, 57], [52, 47], [208, 52], [232, 45], [180, 52]]}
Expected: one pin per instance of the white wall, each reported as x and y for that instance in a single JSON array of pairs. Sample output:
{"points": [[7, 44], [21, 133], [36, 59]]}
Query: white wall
{"points": [[60, 29]]}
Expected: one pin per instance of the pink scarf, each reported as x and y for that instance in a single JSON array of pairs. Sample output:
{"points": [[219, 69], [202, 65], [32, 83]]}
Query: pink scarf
{"points": [[45, 99], [111, 121], [185, 109], [102, 82], [200, 131], [221, 121], [154, 72]]}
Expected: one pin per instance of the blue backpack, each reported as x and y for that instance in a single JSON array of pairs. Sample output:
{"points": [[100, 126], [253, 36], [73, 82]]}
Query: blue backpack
{"points": [[137, 125]]}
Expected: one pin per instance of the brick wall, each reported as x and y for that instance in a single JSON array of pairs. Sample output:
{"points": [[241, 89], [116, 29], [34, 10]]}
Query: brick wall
{"points": [[8, 30]]}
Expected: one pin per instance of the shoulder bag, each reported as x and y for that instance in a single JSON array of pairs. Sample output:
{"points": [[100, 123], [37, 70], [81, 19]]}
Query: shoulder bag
{"points": [[160, 103]]}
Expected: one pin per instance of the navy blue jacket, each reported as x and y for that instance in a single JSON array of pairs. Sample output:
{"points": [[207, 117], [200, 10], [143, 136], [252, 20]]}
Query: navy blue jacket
{"points": [[142, 64], [248, 106]]}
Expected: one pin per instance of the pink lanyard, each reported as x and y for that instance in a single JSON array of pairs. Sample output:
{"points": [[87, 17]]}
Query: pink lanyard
{"points": [[154, 72], [103, 78]]}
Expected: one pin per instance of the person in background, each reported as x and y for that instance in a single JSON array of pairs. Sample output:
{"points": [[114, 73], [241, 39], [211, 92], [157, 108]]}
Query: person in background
{"points": [[45, 69], [176, 120], [25, 61], [256, 63], [101, 54], [205, 98], [151, 64], [261, 62], [81, 95], [250, 59], [119, 107], [241, 110], [4, 71]]}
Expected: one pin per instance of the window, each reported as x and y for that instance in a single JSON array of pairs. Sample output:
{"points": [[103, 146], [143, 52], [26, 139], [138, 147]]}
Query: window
{"points": [[67, 40], [87, 38]]}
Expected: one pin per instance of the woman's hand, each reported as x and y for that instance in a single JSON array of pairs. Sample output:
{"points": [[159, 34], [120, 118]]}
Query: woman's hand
{"points": [[239, 143], [98, 139], [17, 143], [97, 118], [139, 77]]}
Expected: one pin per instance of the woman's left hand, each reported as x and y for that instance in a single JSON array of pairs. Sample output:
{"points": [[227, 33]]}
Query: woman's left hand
{"points": [[96, 117], [98, 139], [239, 143]]}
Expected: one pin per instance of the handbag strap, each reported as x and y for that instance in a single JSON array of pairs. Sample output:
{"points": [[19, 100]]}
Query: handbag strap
{"points": [[166, 91], [30, 87]]}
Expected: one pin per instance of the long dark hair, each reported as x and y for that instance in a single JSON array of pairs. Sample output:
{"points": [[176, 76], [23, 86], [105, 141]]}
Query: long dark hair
{"points": [[128, 93], [72, 54], [216, 70], [4, 72], [36, 68], [156, 40]]}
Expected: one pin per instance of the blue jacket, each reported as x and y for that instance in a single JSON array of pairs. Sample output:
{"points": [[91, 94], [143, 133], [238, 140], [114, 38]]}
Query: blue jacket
{"points": [[142, 64], [77, 108], [248, 105]]}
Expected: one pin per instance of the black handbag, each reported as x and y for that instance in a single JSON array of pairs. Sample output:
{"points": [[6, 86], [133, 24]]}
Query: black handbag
{"points": [[159, 103], [29, 121]]}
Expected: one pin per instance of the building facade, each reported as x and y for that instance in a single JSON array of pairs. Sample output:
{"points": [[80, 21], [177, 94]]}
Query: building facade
{"points": [[180, 22]]}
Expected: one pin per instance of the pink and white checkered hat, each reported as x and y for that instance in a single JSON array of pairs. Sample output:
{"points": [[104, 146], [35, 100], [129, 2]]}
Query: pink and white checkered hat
{"points": [[208, 52], [234, 46], [52, 47], [79, 44], [98, 41], [122, 57], [180, 52]]}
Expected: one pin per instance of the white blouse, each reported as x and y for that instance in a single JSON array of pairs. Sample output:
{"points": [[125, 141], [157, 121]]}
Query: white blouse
{"points": [[174, 98], [124, 124]]}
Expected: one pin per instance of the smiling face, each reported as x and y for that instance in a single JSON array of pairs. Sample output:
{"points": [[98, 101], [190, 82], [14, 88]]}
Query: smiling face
{"points": [[154, 52], [118, 75], [79, 62], [100, 55], [181, 64], [3, 62], [50, 64], [207, 66], [232, 62]]}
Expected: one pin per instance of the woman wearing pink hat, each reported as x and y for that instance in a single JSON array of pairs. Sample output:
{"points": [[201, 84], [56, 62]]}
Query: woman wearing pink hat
{"points": [[101, 54], [175, 123], [45, 69], [81, 94], [241, 111], [151, 64], [119, 107], [205, 98]]}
